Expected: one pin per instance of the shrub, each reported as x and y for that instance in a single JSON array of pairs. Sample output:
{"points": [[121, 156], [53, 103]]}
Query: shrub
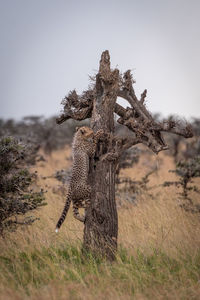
{"points": [[187, 170], [16, 197]]}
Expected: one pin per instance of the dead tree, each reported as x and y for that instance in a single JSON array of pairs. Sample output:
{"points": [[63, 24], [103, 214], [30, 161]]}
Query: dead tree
{"points": [[99, 104]]}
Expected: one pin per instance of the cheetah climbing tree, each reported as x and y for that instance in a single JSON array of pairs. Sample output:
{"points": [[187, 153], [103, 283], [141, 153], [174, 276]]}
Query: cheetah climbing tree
{"points": [[99, 104]]}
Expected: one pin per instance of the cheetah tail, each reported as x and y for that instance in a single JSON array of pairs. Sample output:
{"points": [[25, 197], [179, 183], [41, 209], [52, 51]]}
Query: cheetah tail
{"points": [[64, 213]]}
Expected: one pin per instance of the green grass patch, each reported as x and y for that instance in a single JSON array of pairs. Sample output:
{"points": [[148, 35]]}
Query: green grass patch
{"points": [[130, 273]]}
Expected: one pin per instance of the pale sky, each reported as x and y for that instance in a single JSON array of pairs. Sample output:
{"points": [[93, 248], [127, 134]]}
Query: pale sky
{"points": [[49, 47]]}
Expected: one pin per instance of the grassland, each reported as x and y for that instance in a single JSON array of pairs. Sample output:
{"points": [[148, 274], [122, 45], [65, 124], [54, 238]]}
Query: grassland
{"points": [[159, 246]]}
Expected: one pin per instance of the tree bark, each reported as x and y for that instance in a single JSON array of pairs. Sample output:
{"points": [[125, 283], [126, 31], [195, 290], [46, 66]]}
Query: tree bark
{"points": [[101, 226]]}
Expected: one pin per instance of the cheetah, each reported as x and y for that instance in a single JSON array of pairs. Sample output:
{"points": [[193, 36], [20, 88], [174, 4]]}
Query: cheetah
{"points": [[79, 192]]}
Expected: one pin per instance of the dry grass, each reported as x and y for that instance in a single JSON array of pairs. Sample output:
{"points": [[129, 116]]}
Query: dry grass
{"points": [[159, 256]]}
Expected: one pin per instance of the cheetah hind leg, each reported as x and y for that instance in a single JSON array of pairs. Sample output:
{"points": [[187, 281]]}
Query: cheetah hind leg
{"points": [[77, 214], [76, 211]]}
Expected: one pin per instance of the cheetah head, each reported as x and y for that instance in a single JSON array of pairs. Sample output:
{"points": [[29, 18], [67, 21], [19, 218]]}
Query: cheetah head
{"points": [[84, 131]]}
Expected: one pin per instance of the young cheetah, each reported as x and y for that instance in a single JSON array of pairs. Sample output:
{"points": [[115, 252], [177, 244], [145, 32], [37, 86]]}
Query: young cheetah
{"points": [[79, 192]]}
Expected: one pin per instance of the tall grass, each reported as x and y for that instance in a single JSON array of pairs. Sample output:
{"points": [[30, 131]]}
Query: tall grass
{"points": [[158, 256], [65, 269]]}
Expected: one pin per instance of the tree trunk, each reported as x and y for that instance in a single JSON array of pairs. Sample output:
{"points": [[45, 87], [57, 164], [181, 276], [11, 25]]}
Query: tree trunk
{"points": [[101, 226]]}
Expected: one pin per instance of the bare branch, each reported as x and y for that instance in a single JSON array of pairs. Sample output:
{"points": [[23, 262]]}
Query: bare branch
{"points": [[128, 142], [143, 96], [136, 105], [77, 107], [143, 130], [176, 128], [139, 120]]}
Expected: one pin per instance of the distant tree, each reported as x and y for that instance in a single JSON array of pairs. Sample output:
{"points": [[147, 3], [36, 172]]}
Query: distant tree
{"points": [[193, 147], [127, 160], [187, 171], [181, 149]]}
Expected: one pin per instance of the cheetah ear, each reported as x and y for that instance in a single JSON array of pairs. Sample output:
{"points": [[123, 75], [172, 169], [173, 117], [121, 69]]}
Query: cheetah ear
{"points": [[77, 128], [82, 130]]}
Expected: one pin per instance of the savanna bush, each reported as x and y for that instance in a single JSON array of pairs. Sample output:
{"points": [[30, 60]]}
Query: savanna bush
{"points": [[16, 196]]}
